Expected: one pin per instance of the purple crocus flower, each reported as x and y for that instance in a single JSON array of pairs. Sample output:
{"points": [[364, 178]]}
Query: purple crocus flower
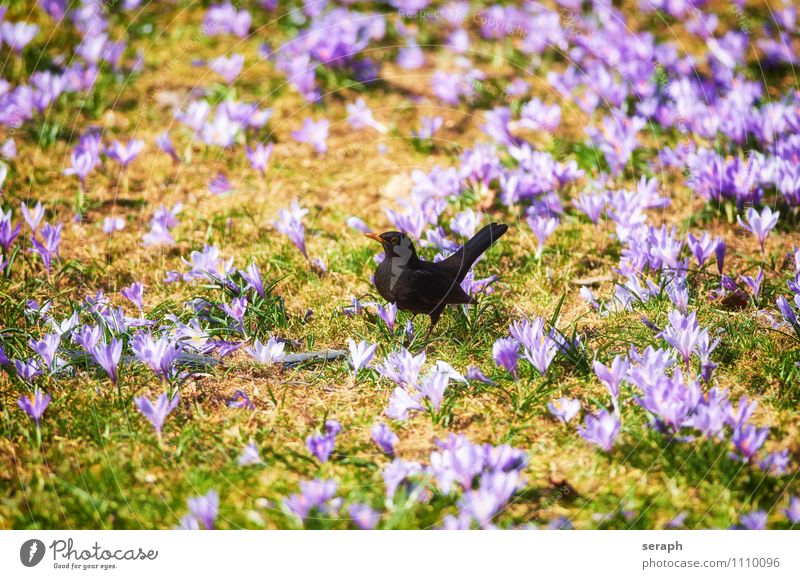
{"points": [[314, 495], [748, 440], [465, 223], [228, 67], [164, 143], [591, 205], [249, 455], [359, 115], [761, 224], [47, 348], [108, 356], [125, 154], [541, 353], [793, 511], [158, 412], [290, 223], [82, 163], [204, 509], [47, 248], [236, 310], [754, 283], [400, 404], [113, 224], [34, 406], [27, 370], [542, 228], [364, 517], [33, 217], [240, 399], [702, 248], [475, 373], [322, 445], [259, 157], [17, 35], [221, 19], [158, 354], [506, 354], [134, 293], [361, 354], [388, 314], [7, 233], [385, 438], [683, 333], [269, 353], [433, 388], [313, 133], [601, 429], [252, 276], [565, 409], [754, 521], [427, 128], [219, 184], [612, 376]]}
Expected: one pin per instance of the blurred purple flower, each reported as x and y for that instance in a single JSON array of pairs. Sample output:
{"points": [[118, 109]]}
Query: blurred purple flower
{"points": [[228, 67], [754, 521], [33, 217], [259, 157], [359, 115], [761, 224], [314, 495], [34, 406], [793, 511], [107, 356], [385, 438], [290, 223], [204, 509], [47, 248], [601, 429], [17, 35], [400, 404], [313, 133], [360, 354], [565, 409], [126, 153], [388, 314], [112, 224], [269, 353], [219, 184], [364, 517], [506, 354], [249, 455], [158, 412], [158, 354], [252, 276], [134, 294]]}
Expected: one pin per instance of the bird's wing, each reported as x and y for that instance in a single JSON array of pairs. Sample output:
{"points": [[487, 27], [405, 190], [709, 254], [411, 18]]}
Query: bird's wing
{"points": [[432, 288]]}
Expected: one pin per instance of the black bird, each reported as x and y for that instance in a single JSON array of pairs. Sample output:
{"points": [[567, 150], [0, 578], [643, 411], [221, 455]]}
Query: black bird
{"points": [[425, 287]]}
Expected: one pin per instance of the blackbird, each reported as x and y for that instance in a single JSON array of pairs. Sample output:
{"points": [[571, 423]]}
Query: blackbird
{"points": [[425, 287]]}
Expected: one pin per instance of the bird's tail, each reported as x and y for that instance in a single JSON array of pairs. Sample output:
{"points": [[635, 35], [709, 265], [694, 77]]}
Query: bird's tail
{"points": [[461, 261]]}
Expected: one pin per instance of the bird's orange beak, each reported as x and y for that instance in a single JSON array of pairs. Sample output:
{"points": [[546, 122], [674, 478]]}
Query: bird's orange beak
{"points": [[374, 236]]}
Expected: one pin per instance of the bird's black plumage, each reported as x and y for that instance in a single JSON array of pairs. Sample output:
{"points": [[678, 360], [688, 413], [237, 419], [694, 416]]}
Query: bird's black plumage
{"points": [[425, 287]]}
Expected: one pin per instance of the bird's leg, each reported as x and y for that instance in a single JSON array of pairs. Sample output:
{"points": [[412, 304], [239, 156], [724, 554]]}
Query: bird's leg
{"points": [[435, 314]]}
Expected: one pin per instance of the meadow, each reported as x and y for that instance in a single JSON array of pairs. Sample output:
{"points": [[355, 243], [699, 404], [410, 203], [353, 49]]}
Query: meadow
{"points": [[189, 333]]}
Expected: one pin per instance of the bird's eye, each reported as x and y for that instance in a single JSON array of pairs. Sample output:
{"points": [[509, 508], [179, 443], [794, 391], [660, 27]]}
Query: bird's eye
{"points": [[395, 240]]}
